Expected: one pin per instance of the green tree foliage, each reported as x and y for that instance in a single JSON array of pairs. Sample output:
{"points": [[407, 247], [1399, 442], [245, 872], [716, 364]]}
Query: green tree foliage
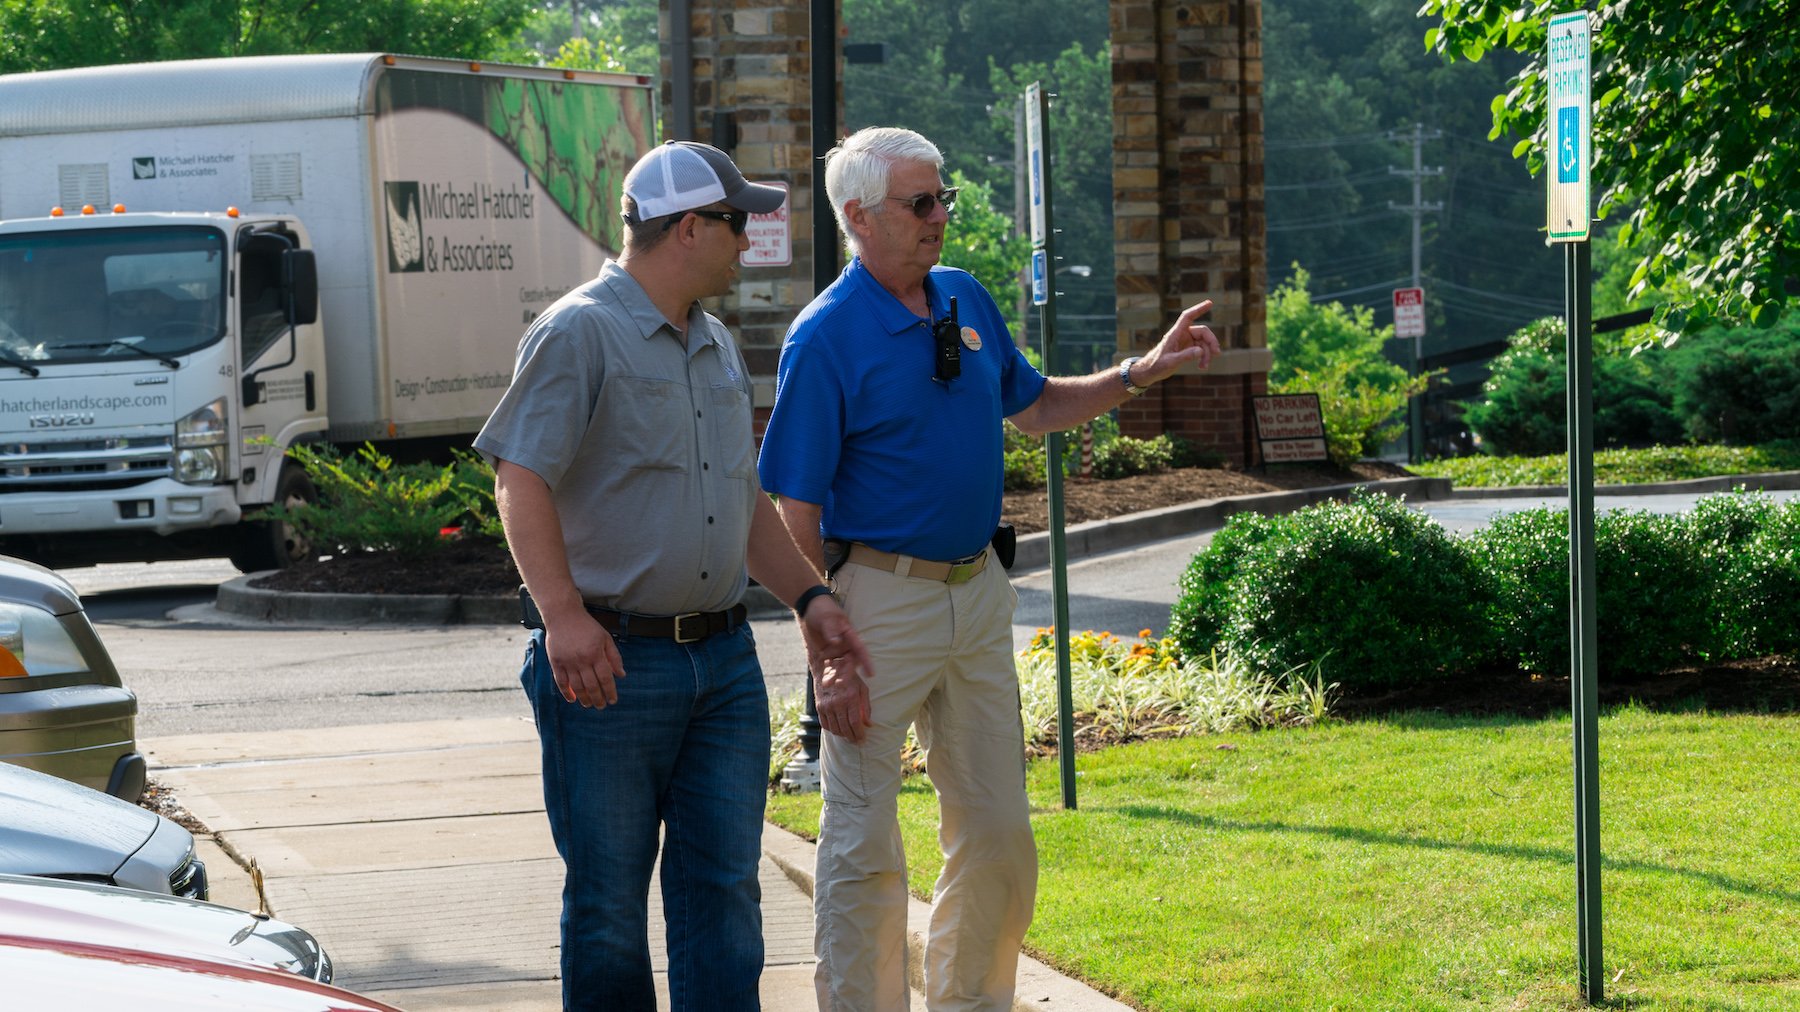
{"points": [[1340, 100], [53, 34], [619, 36], [1335, 351], [981, 240], [955, 71], [1692, 136], [1305, 336]]}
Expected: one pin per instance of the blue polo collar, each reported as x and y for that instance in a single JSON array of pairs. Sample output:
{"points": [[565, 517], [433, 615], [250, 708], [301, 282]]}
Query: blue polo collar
{"points": [[889, 311]]}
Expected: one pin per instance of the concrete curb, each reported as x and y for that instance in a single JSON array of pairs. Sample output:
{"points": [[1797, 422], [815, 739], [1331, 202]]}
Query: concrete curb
{"points": [[1039, 986], [237, 597], [1097, 536], [1767, 482]]}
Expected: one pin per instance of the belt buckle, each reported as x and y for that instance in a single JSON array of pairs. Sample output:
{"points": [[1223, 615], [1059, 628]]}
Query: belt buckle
{"points": [[681, 637], [962, 572]]}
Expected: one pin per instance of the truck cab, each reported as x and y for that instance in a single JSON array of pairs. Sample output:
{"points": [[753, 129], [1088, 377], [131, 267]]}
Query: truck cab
{"points": [[153, 369]]}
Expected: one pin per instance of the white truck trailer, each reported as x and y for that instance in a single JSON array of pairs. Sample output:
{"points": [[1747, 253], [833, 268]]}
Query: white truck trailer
{"points": [[204, 262]]}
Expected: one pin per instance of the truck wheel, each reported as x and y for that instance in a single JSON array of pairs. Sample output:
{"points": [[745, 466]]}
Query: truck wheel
{"points": [[271, 544]]}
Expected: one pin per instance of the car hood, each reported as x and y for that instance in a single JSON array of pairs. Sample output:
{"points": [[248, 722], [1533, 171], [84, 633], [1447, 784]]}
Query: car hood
{"points": [[129, 919], [52, 827], [64, 975]]}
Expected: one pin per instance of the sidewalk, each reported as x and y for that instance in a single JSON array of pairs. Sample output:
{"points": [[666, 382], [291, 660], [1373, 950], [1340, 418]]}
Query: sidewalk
{"points": [[420, 856]]}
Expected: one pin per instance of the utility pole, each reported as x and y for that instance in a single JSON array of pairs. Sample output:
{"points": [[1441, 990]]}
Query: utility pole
{"points": [[1417, 209]]}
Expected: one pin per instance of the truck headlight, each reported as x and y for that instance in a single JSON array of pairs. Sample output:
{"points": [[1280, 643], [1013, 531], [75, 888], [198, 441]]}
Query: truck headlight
{"points": [[200, 440], [33, 642]]}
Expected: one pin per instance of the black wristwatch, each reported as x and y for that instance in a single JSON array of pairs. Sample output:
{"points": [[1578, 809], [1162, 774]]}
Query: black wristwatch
{"points": [[806, 597]]}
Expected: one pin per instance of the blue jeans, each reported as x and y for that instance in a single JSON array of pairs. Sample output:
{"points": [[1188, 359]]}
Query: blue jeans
{"points": [[686, 749]]}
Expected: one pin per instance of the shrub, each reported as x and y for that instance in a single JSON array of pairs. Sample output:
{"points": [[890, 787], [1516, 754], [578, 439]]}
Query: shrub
{"points": [[1125, 456], [1760, 583], [369, 503], [1654, 593], [1524, 410], [1203, 595], [1378, 595], [1740, 386]]}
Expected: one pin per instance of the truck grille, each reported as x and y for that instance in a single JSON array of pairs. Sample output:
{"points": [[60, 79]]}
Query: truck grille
{"points": [[79, 465]]}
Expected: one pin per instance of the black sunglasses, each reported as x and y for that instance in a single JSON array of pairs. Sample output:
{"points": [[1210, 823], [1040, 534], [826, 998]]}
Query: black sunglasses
{"points": [[923, 203], [738, 220]]}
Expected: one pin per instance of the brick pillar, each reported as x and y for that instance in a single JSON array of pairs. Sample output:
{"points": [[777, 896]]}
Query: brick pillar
{"points": [[1188, 206], [752, 72]]}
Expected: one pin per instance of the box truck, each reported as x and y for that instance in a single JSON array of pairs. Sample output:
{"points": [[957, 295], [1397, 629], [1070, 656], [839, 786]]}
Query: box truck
{"points": [[205, 262]]}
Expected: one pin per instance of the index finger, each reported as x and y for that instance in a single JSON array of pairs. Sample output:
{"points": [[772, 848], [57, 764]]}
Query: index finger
{"points": [[1200, 308]]}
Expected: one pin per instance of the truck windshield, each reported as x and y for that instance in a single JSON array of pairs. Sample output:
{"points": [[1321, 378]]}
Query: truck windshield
{"points": [[92, 294]]}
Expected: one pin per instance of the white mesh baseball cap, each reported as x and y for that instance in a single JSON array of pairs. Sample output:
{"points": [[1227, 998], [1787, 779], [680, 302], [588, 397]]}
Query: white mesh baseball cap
{"points": [[682, 175]]}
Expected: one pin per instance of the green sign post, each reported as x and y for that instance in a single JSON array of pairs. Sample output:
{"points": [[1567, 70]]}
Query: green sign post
{"points": [[1566, 217], [1043, 293]]}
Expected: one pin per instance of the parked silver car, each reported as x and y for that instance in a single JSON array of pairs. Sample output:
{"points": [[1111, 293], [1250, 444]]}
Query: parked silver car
{"points": [[63, 709], [55, 829], [106, 916]]}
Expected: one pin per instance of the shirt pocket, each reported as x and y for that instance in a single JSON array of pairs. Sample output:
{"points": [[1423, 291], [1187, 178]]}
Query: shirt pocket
{"points": [[728, 412], [645, 424]]}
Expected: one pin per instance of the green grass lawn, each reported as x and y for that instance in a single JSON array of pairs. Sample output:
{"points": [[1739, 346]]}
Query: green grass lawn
{"points": [[1414, 862]]}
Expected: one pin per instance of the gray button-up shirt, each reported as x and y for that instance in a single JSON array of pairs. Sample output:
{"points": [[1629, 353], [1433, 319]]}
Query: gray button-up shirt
{"points": [[645, 442]]}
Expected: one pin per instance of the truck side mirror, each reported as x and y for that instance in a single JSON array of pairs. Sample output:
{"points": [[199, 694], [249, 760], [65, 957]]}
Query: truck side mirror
{"points": [[300, 285]]}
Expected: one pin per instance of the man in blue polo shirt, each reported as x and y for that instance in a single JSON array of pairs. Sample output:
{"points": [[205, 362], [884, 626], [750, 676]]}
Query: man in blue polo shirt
{"points": [[884, 449]]}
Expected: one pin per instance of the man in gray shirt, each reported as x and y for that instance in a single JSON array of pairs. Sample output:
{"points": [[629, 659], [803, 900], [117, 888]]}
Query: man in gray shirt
{"points": [[626, 480]]}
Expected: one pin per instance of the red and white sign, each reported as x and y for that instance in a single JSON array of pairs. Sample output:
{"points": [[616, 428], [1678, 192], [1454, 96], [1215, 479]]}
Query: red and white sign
{"points": [[771, 239], [1409, 312]]}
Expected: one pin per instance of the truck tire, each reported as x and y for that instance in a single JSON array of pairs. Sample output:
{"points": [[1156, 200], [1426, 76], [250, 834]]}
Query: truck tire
{"points": [[271, 544]]}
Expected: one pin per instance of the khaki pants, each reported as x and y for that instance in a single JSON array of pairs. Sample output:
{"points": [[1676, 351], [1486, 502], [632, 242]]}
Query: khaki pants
{"points": [[943, 657]]}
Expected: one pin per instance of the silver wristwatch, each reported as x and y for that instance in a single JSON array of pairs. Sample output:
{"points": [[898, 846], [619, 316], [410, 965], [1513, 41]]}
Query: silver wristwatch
{"points": [[1125, 376]]}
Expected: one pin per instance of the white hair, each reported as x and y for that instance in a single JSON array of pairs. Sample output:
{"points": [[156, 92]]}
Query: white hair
{"points": [[860, 166]]}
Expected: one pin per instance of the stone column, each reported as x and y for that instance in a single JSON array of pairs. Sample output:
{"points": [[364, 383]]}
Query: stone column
{"points": [[1188, 215], [751, 71]]}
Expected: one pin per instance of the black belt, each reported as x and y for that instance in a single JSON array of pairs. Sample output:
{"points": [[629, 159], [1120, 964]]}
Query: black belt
{"points": [[688, 627]]}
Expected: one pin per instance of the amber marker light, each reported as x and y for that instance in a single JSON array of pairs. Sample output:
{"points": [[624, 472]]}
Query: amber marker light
{"points": [[56, 212], [10, 665], [118, 208], [87, 209], [568, 75], [231, 212], [389, 60], [475, 67]]}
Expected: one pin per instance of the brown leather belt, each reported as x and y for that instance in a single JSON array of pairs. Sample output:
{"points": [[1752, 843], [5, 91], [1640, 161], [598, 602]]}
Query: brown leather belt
{"points": [[688, 627], [959, 571]]}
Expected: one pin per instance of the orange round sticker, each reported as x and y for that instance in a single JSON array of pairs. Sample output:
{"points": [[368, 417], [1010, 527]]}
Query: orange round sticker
{"points": [[971, 340]]}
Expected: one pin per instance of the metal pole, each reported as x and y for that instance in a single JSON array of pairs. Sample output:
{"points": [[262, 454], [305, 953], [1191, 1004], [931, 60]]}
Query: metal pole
{"points": [[680, 124], [1053, 480], [803, 772], [824, 136], [1584, 687]]}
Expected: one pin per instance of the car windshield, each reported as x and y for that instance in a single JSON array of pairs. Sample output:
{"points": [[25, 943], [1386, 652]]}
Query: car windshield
{"points": [[86, 294]]}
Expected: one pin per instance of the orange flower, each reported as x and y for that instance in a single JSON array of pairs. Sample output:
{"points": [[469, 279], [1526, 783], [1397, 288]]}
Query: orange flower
{"points": [[1145, 634]]}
